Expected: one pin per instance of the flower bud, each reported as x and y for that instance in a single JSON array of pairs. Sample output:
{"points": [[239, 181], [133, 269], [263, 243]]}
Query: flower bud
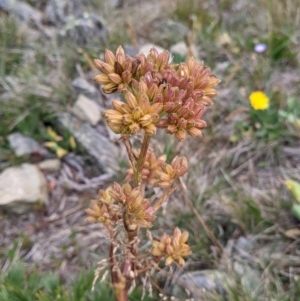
{"points": [[180, 134], [131, 100], [200, 124], [104, 67], [171, 129], [109, 57], [184, 237], [145, 120], [182, 123], [155, 108], [102, 79], [118, 105], [127, 65], [150, 129], [163, 59], [210, 92], [169, 107], [127, 119], [109, 88], [194, 132], [134, 128], [169, 260], [169, 250], [115, 78], [126, 76], [144, 102], [137, 113], [118, 68], [120, 51], [180, 261], [143, 87]]}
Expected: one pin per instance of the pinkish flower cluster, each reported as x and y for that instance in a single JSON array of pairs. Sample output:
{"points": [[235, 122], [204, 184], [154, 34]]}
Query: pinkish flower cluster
{"points": [[157, 94], [158, 173]]}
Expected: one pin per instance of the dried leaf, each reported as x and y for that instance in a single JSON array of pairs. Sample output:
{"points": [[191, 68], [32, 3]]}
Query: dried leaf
{"points": [[294, 187], [72, 142], [53, 134], [60, 152], [51, 144], [297, 124], [292, 233]]}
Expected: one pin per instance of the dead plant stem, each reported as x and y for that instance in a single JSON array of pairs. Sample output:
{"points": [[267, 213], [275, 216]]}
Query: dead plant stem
{"points": [[206, 228]]}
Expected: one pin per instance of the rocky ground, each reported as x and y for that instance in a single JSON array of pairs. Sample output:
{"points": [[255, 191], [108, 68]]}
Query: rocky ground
{"points": [[56, 150]]}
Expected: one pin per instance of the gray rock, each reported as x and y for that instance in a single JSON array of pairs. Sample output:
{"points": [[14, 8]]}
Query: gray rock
{"points": [[57, 11], [250, 278], [98, 146], [22, 10], [168, 31], [180, 48], [23, 145], [50, 165], [199, 283], [86, 29], [239, 248], [22, 187], [130, 50], [87, 110], [82, 86]]}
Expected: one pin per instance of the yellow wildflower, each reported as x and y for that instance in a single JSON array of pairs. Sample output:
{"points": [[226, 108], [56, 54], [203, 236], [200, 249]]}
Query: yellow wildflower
{"points": [[259, 100]]}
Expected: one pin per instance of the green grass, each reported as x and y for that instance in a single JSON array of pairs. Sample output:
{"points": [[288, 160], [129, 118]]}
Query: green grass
{"points": [[21, 283]]}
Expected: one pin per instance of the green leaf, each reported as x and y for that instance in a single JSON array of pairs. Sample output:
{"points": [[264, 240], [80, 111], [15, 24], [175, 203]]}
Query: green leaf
{"points": [[296, 211], [294, 187]]}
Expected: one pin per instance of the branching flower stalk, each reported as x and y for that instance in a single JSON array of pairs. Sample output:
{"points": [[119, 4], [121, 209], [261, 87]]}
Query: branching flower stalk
{"points": [[157, 95]]}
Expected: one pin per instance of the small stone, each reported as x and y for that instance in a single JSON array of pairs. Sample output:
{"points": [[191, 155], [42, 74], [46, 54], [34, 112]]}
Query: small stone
{"points": [[97, 145], [224, 39], [87, 110], [22, 10], [23, 145], [250, 278], [86, 29], [55, 11], [22, 187], [130, 50], [50, 165], [84, 87], [167, 31], [180, 48], [199, 283], [147, 47]]}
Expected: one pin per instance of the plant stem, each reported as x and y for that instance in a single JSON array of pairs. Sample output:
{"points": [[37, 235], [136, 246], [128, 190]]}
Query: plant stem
{"points": [[208, 231], [139, 165], [118, 280]]}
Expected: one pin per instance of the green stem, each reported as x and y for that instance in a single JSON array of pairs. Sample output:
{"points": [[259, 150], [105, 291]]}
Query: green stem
{"points": [[139, 165]]}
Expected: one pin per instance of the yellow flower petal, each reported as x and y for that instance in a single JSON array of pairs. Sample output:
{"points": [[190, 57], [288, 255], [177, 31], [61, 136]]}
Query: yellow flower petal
{"points": [[259, 100]]}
